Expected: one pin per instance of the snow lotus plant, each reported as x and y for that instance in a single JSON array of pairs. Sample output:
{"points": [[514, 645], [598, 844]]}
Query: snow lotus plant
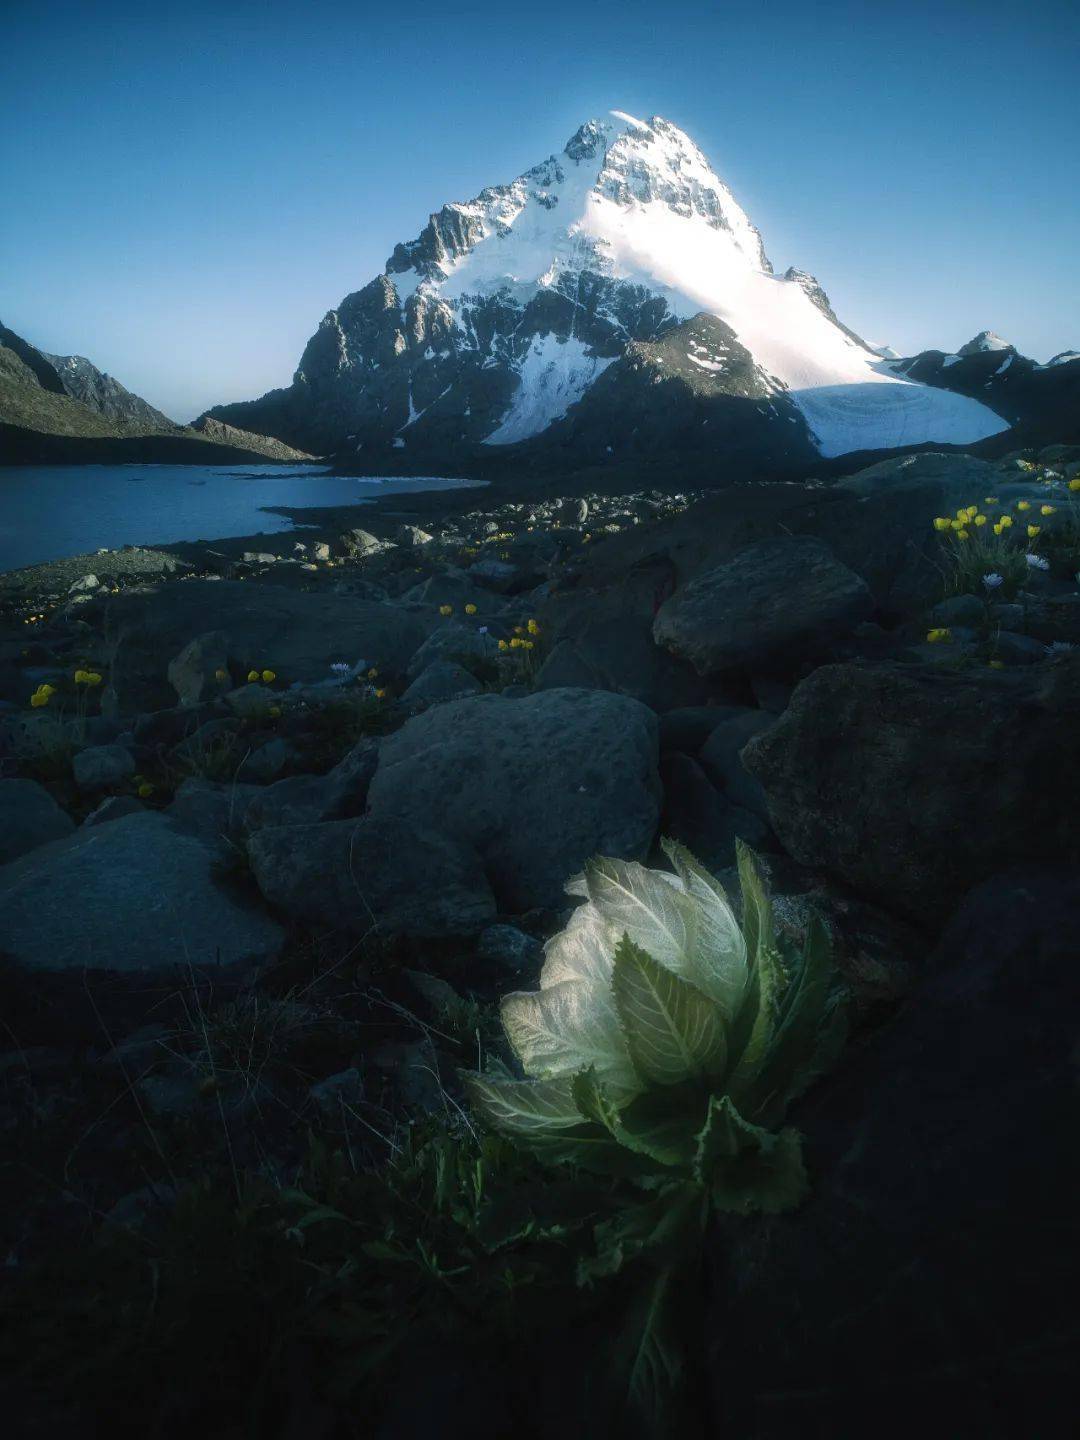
{"points": [[666, 1040]]}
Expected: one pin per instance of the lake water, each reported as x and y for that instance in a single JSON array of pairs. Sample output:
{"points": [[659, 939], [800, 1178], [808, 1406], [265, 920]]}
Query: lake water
{"points": [[49, 511]]}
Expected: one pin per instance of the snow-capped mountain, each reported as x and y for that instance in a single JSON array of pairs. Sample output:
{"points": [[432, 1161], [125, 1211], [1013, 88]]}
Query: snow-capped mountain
{"points": [[614, 300]]}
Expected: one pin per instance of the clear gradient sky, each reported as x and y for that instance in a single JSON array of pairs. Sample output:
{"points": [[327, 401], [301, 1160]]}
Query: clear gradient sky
{"points": [[187, 188]]}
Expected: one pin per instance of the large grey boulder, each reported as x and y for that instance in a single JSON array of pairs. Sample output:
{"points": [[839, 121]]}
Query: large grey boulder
{"points": [[298, 634], [132, 896], [913, 783], [29, 817], [455, 643], [772, 601], [538, 785], [441, 681], [102, 766], [376, 874]]}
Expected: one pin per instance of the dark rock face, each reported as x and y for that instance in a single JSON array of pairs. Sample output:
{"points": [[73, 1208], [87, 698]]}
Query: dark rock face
{"points": [[29, 817], [932, 1271], [1041, 402], [912, 783], [356, 877], [773, 598], [537, 785], [84, 382]]}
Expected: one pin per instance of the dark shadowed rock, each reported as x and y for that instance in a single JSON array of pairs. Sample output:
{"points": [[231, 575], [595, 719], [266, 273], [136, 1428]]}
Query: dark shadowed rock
{"points": [[29, 817], [774, 599], [385, 874], [201, 670], [933, 1268], [721, 757], [537, 785], [701, 818], [619, 654], [102, 766], [913, 783]]}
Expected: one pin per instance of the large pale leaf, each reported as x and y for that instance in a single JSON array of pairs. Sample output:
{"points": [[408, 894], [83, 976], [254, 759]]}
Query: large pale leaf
{"points": [[567, 1028], [719, 964], [649, 906], [524, 1107], [673, 1031], [585, 950]]}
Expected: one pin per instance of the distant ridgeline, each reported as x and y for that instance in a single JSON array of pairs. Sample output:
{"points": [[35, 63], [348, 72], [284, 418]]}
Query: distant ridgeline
{"points": [[62, 408]]}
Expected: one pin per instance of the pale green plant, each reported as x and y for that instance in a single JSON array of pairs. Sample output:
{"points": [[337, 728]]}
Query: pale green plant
{"points": [[667, 1041]]}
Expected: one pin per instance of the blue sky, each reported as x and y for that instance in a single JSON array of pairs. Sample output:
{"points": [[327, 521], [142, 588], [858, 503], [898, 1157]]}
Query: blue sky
{"points": [[189, 187]]}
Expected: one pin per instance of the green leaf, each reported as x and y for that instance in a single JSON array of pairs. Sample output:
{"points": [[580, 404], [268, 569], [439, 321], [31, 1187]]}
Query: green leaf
{"points": [[758, 1017], [659, 1123], [653, 1354], [748, 1168], [524, 1107], [566, 1028], [666, 1228], [673, 1031], [810, 1035], [594, 1149]]}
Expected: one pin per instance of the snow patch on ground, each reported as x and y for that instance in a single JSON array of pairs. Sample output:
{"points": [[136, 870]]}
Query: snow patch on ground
{"points": [[553, 376]]}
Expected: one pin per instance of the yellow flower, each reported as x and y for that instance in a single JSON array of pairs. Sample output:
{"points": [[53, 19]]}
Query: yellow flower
{"points": [[990, 499], [46, 690], [38, 699], [470, 609], [528, 644], [1033, 530], [269, 676], [1074, 484], [963, 534], [1047, 509], [373, 674], [253, 675], [942, 523], [533, 628], [275, 712], [221, 675], [1023, 504], [980, 519], [1006, 521], [996, 664], [145, 790], [999, 528], [503, 645], [93, 678], [446, 609], [380, 694], [939, 636], [516, 643], [80, 677]]}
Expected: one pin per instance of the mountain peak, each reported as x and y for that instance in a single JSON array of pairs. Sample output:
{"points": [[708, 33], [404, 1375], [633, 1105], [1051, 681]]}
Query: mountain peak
{"points": [[985, 340]]}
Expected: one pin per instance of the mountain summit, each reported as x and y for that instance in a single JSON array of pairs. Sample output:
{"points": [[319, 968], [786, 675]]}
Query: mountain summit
{"points": [[613, 301]]}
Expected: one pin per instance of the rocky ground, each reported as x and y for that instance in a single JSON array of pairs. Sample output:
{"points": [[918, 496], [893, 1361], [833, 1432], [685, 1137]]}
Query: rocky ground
{"points": [[282, 818]]}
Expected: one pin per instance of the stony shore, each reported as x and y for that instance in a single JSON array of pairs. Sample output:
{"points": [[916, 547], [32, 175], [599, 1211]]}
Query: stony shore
{"points": [[283, 816]]}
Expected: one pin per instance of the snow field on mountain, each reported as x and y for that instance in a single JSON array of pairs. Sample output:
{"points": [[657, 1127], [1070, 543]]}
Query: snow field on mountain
{"points": [[553, 376]]}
